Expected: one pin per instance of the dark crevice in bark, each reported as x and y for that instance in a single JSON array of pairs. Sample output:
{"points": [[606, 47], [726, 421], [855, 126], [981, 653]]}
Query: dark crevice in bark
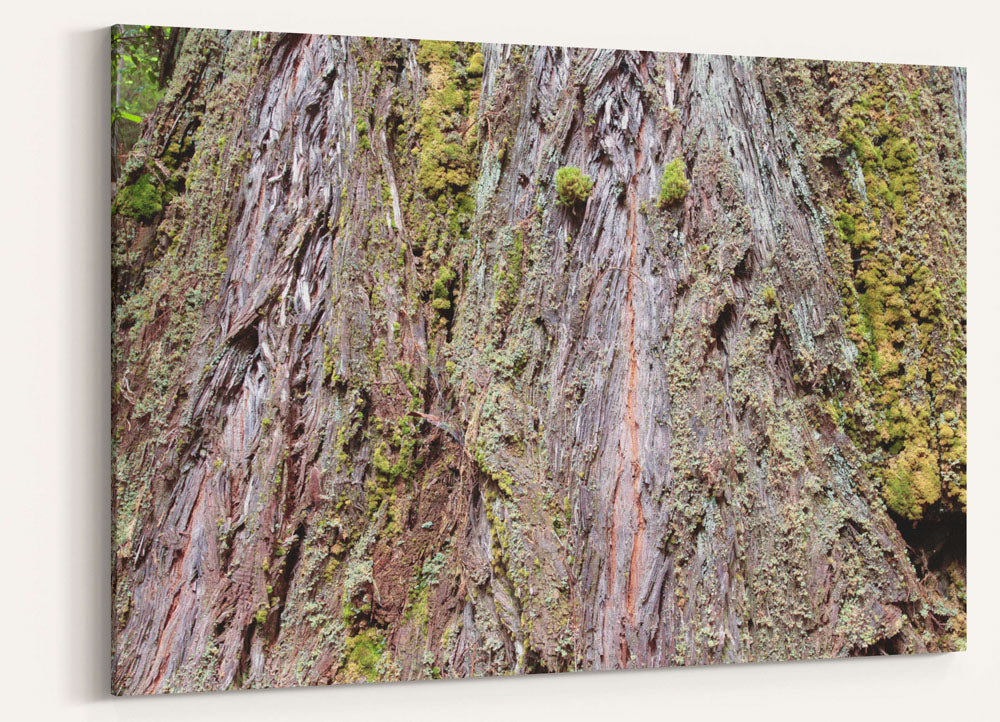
{"points": [[935, 541], [285, 580]]}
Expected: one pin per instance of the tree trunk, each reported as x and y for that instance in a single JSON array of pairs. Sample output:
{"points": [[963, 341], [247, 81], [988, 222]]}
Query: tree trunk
{"points": [[384, 409]]}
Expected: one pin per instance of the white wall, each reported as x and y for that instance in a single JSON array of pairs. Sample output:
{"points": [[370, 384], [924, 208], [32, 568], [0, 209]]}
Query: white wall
{"points": [[54, 368]]}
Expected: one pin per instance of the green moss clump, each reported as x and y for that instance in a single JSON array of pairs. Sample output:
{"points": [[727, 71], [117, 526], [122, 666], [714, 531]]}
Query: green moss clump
{"points": [[873, 129], [141, 200], [364, 655], [261, 615], [381, 462], [572, 186], [441, 289], [436, 51], [442, 164], [674, 184], [913, 482], [444, 159], [475, 67], [362, 128]]}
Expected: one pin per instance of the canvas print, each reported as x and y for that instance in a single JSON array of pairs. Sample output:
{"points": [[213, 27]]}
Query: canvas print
{"points": [[440, 359]]}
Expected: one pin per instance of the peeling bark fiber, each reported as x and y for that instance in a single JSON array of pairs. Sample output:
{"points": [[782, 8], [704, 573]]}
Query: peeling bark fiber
{"points": [[438, 359]]}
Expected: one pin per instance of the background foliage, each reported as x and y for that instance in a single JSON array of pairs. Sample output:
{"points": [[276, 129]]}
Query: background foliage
{"points": [[142, 57]]}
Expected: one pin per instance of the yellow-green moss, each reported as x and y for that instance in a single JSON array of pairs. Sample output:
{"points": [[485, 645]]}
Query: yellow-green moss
{"points": [[674, 183], [894, 308], [475, 66], [260, 616], [365, 655], [141, 199], [436, 51], [443, 158], [572, 186], [912, 483], [441, 289], [873, 130]]}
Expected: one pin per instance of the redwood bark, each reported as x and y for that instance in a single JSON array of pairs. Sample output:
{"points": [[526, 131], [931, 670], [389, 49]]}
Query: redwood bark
{"points": [[385, 410]]}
